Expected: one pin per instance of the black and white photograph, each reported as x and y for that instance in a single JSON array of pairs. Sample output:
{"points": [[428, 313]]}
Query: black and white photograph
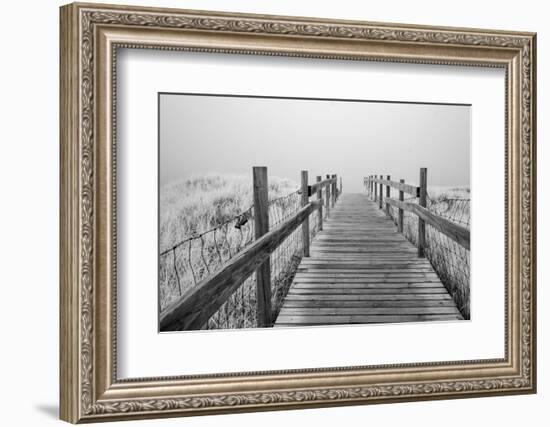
{"points": [[261, 211], [300, 212]]}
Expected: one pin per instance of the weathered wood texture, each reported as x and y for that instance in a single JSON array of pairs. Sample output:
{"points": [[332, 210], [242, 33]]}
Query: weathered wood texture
{"points": [[388, 194], [333, 191], [320, 184], [380, 200], [422, 202], [305, 224], [401, 186], [328, 196], [400, 211], [362, 270], [319, 192], [261, 227], [199, 303], [459, 234]]}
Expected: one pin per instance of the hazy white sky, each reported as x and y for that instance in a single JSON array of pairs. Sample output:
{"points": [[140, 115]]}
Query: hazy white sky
{"points": [[204, 134]]}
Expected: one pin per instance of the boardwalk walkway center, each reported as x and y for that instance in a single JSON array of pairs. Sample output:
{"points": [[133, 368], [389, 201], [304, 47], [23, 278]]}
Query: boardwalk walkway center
{"points": [[357, 267]]}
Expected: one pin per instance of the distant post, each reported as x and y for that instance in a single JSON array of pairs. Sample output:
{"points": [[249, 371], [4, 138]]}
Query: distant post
{"points": [[340, 192], [422, 202], [327, 201], [400, 212], [370, 189], [320, 198], [375, 190], [334, 190], [381, 196], [388, 196], [261, 226], [305, 224]]}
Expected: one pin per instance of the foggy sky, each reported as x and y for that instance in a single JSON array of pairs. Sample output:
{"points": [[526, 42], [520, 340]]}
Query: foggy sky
{"points": [[212, 134]]}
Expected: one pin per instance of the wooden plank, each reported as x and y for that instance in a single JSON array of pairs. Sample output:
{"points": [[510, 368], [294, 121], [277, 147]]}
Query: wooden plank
{"points": [[351, 319], [336, 276], [401, 186], [334, 190], [421, 237], [357, 270], [388, 189], [361, 285], [319, 191], [344, 263], [367, 291], [400, 211], [373, 257], [327, 196], [320, 184], [381, 198], [354, 244], [338, 260], [369, 297], [305, 224], [367, 304], [261, 227], [361, 251], [369, 257], [197, 305], [365, 280], [303, 311], [362, 273], [455, 232]]}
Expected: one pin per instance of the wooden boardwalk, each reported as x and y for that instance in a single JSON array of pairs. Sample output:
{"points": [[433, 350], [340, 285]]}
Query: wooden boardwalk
{"points": [[361, 270]]}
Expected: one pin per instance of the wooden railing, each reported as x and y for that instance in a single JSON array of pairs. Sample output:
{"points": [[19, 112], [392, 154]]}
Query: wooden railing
{"points": [[374, 187], [193, 309]]}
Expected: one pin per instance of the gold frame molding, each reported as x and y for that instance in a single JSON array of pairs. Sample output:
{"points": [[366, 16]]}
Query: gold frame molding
{"points": [[90, 35]]}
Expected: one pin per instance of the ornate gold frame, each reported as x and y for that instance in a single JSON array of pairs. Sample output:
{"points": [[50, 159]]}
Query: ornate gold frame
{"points": [[90, 34]]}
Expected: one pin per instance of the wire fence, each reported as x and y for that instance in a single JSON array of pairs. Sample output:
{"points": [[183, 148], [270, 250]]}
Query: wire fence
{"points": [[185, 264], [450, 260]]}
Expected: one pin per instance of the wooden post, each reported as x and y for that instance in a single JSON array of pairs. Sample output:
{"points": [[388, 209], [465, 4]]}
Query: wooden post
{"points": [[333, 191], [305, 224], [381, 196], [340, 192], [372, 187], [388, 196], [327, 195], [422, 202], [400, 212], [320, 197], [375, 190], [261, 226]]}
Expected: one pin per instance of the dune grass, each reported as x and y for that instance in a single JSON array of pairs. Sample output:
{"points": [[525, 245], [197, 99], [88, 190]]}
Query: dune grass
{"points": [[195, 205], [213, 216]]}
